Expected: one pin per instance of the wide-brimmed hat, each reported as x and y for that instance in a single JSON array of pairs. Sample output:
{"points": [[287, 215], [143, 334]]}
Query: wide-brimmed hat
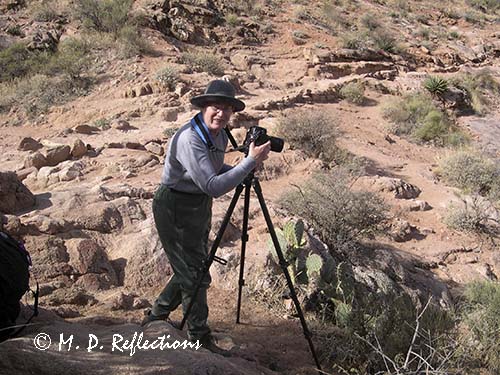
{"points": [[218, 91]]}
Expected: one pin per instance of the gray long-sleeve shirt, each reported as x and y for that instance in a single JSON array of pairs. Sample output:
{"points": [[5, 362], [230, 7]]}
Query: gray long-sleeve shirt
{"points": [[191, 167]]}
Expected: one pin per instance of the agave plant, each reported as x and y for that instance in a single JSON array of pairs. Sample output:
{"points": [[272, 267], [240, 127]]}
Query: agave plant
{"points": [[436, 85]]}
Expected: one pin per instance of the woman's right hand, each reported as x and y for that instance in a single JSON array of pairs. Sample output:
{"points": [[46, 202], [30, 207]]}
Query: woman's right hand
{"points": [[259, 153]]}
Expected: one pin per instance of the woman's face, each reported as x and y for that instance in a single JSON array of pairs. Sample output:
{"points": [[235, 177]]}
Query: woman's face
{"points": [[216, 116]]}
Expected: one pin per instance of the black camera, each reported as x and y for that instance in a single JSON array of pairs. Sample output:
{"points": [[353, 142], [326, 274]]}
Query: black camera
{"points": [[259, 135]]}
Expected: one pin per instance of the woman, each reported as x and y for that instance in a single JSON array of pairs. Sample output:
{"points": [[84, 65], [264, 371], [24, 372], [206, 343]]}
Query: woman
{"points": [[193, 174]]}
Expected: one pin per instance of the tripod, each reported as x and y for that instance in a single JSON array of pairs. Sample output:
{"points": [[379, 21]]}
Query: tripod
{"points": [[247, 184]]}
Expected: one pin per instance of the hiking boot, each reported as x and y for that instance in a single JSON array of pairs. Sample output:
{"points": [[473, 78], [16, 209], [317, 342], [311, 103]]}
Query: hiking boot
{"points": [[209, 342], [150, 317]]}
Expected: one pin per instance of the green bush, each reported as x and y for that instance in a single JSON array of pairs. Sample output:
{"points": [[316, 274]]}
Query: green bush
{"points": [[407, 113], [353, 92], [72, 58], [470, 171], [232, 19], [416, 116], [385, 41], [131, 42], [370, 21], [353, 40], [204, 62], [340, 216], [435, 127], [108, 16], [485, 5], [168, 77], [45, 11], [471, 216], [482, 316], [18, 61], [311, 131], [478, 85], [36, 94]]}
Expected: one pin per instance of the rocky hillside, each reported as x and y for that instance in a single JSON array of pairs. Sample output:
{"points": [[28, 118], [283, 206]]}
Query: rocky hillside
{"points": [[398, 99]]}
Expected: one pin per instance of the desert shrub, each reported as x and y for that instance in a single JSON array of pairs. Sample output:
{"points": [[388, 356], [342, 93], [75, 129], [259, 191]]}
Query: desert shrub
{"points": [[353, 40], [423, 32], [470, 171], [314, 132], [341, 216], [168, 76], [45, 11], [478, 85], [473, 215], [434, 127], [102, 123], [334, 18], [385, 41], [131, 42], [353, 92], [370, 21], [113, 17], [108, 16], [14, 30], [204, 62], [36, 94], [72, 58], [18, 61], [482, 316], [485, 5], [232, 19], [415, 115], [407, 113]]}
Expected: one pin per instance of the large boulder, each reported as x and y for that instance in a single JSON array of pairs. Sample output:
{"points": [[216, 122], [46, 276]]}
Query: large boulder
{"points": [[14, 196], [57, 154]]}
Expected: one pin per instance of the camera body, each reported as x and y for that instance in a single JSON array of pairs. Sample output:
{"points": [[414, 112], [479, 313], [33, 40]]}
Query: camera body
{"points": [[260, 136]]}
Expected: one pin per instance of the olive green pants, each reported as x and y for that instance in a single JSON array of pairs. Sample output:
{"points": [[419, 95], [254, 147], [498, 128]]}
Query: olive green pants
{"points": [[183, 222]]}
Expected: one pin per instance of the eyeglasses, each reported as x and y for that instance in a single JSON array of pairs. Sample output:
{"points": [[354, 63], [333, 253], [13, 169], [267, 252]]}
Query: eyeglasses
{"points": [[221, 108]]}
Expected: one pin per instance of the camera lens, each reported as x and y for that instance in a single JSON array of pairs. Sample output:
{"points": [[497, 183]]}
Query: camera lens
{"points": [[277, 144]]}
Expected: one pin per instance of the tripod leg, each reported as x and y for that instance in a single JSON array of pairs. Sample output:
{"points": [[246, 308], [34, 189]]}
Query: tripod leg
{"points": [[244, 240], [283, 265], [211, 256]]}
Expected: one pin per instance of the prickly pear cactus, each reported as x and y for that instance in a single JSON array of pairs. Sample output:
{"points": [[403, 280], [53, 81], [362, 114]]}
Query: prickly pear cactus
{"points": [[291, 242], [293, 232], [314, 263]]}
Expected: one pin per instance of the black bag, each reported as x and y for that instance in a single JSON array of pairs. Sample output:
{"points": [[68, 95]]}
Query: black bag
{"points": [[15, 264]]}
